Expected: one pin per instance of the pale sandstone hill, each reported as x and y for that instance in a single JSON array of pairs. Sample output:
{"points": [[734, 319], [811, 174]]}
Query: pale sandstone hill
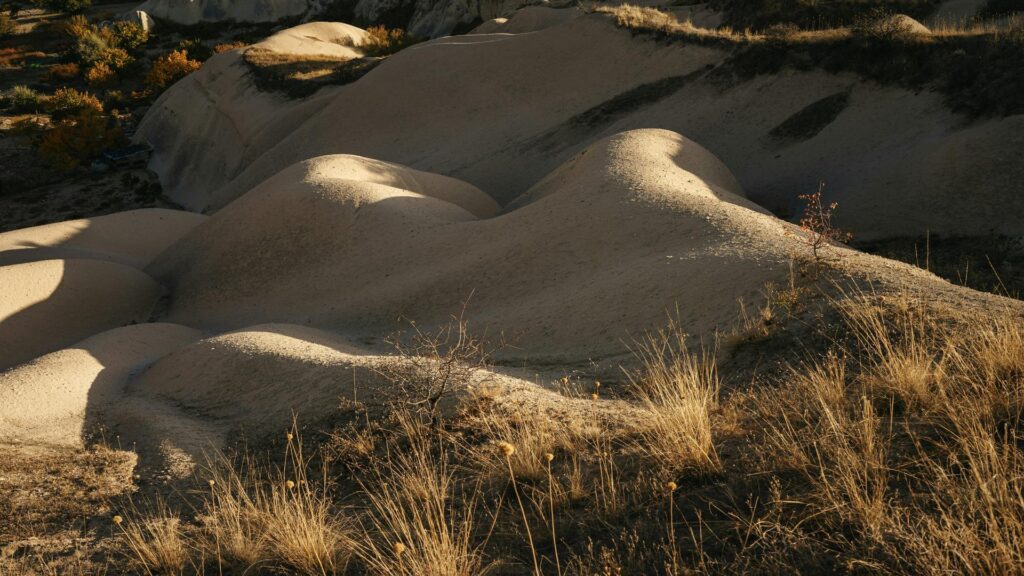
{"points": [[501, 110], [604, 247], [49, 304], [132, 238], [276, 301]]}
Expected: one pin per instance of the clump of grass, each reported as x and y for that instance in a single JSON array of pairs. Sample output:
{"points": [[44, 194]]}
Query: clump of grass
{"points": [[22, 99], [679, 390], [277, 517], [420, 520], [901, 353], [156, 540], [532, 439]]}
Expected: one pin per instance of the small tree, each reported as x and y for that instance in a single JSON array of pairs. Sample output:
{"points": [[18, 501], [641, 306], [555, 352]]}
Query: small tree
{"points": [[817, 225]]}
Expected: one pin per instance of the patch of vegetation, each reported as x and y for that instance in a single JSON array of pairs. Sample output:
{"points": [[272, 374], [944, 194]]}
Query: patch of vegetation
{"points": [[301, 76], [78, 139], [816, 14], [987, 263], [170, 68], [68, 102], [57, 490], [67, 6], [633, 99], [196, 49], [979, 71], [383, 41], [896, 448], [21, 99]]}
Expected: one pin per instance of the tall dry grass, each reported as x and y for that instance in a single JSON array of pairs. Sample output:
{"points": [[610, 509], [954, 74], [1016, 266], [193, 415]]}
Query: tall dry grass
{"points": [[913, 460], [679, 390], [420, 520], [898, 451]]}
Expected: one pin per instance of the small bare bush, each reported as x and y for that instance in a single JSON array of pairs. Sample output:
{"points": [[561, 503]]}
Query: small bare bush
{"points": [[431, 365], [816, 223]]}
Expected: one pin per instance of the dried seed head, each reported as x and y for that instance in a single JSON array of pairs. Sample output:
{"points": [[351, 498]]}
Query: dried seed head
{"points": [[593, 396], [671, 486], [211, 482], [597, 384], [290, 484], [289, 436], [548, 457], [506, 449], [117, 520], [565, 380], [398, 548]]}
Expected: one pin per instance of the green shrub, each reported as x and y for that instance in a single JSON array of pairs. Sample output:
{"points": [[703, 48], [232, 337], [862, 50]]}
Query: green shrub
{"points": [[129, 35], [22, 99], [68, 101], [69, 6], [96, 47], [115, 98], [91, 47]]}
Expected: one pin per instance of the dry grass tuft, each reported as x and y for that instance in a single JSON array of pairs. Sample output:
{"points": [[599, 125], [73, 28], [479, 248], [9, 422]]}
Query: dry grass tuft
{"points": [[420, 522], [257, 515], [156, 540], [679, 390]]}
